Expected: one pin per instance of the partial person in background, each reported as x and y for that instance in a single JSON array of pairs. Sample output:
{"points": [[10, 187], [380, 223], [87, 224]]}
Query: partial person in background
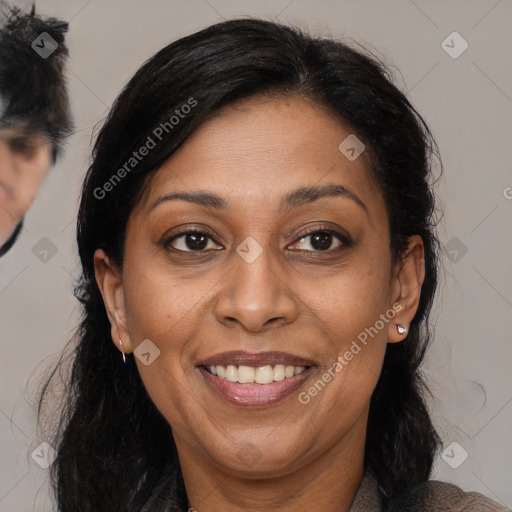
{"points": [[34, 111]]}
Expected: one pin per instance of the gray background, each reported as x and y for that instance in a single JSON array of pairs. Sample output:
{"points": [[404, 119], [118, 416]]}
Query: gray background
{"points": [[467, 102]]}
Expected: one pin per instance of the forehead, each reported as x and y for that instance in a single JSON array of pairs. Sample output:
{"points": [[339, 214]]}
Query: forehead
{"points": [[257, 149]]}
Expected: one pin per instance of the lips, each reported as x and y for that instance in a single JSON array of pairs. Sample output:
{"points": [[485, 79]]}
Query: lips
{"points": [[257, 390], [241, 358]]}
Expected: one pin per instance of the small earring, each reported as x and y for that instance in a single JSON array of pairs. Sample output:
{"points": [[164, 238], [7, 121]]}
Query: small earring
{"points": [[124, 357], [401, 330]]}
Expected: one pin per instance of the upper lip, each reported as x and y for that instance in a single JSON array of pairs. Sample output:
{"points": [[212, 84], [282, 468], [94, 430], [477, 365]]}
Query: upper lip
{"points": [[242, 358]]}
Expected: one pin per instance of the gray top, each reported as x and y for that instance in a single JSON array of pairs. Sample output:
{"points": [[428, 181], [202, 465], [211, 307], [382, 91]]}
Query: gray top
{"points": [[430, 496]]}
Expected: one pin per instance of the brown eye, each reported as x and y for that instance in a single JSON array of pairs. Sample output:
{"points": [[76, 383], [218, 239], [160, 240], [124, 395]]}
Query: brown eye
{"points": [[323, 240], [190, 241]]}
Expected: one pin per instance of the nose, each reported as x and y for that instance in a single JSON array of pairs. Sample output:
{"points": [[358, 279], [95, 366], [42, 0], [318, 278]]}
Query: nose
{"points": [[255, 295]]}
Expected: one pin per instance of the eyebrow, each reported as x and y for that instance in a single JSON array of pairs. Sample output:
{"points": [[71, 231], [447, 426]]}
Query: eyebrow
{"points": [[293, 199]]}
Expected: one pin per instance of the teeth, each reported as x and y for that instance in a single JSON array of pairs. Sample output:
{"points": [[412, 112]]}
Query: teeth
{"points": [[264, 375], [245, 374], [258, 375], [231, 373], [279, 372]]}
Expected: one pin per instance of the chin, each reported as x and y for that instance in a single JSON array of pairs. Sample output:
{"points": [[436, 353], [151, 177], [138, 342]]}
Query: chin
{"points": [[256, 459]]}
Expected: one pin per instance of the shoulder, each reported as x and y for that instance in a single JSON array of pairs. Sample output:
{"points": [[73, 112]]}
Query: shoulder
{"points": [[436, 496]]}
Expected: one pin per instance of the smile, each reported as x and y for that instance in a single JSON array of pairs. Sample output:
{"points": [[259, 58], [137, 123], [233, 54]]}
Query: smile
{"points": [[255, 379]]}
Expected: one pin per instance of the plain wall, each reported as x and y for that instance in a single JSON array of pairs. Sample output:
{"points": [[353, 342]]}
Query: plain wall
{"points": [[467, 102]]}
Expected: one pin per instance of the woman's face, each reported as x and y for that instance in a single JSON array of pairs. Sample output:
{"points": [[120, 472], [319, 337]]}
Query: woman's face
{"points": [[286, 274]]}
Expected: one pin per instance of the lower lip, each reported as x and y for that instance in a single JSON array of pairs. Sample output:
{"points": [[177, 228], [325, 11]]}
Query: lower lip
{"points": [[255, 395]]}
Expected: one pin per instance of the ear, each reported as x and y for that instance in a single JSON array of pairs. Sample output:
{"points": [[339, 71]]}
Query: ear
{"points": [[109, 280], [408, 277]]}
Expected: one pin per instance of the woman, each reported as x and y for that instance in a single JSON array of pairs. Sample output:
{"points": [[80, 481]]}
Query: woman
{"points": [[259, 255]]}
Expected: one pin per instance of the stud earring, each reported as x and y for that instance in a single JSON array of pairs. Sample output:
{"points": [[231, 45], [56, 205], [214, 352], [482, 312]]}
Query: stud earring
{"points": [[401, 330], [124, 357]]}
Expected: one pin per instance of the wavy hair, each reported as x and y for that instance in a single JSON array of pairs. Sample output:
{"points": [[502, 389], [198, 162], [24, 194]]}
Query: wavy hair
{"points": [[113, 445]]}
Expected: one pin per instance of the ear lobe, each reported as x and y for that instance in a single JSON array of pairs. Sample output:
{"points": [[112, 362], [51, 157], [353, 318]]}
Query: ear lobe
{"points": [[109, 280], [409, 274]]}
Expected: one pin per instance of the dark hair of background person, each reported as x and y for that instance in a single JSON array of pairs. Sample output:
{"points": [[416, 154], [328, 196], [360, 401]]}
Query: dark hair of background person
{"points": [[33, 94], [113, 445]]}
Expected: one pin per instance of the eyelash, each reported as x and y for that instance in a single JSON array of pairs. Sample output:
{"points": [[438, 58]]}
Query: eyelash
{"points": [[341, 237]]}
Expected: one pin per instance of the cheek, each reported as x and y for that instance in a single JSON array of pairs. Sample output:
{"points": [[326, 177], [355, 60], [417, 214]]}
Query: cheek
{"points": [[340, 393], [353, 298], [160, 309], [353, 308], [166, 310], [27, 187], [160, 305]]}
